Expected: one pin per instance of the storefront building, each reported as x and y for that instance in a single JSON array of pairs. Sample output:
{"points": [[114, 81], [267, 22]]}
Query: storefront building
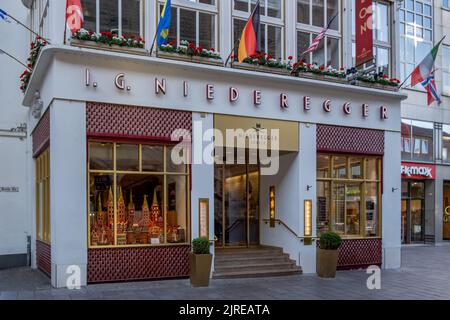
{"points": [[111, 200], [425, 128]]}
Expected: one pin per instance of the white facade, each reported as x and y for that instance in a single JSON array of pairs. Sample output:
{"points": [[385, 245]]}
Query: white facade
{"points": [[60, 77], [15, 213]]}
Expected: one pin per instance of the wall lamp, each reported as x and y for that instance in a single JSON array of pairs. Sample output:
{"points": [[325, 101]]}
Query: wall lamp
{"points": [[307, 215], [308, 187], [395, 189], [272, 206], [37, 106]]}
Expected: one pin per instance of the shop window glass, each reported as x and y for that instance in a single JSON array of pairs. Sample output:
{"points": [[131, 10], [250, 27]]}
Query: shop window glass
{"points": [[372, 209], [42, 171], [323, 166], [174, 156], [417, 190], [127, 157], [146, 207], [101, 156], [372, 169], [140, 214], [446, 143], [177, 204], [341, 206], [340, 167], [153, 158], [356, 168], [101, 209], [323, 202]]}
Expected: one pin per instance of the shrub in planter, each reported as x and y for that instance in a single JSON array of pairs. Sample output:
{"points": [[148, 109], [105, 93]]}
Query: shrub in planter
{"points": [[328, 254], [200, 262]]}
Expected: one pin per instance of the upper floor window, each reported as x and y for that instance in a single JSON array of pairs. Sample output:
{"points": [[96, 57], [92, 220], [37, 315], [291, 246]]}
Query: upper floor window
{"points": [[194, 21], [312, 17], [39, 12], [381, 35], [417, 140], [446, 143], [120, 17], [446, 4], [272, 24], [446, 70], [416, 34]]}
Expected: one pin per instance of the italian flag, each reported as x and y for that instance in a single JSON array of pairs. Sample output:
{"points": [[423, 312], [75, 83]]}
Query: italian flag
{"points": [[424, 69]]}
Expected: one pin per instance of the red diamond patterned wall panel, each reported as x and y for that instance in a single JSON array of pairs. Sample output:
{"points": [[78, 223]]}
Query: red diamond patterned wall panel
{"points": [[118, 121], [41, 134], [44, 257], [350, 140], [141, 263]]}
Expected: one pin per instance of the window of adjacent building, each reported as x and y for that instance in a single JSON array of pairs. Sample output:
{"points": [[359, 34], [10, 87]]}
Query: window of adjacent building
{"points": [[39, 13], [120, 17], [348, 195], [272, 24], [137, 195], [194, 21], [312, 17], [416, 34], [417, 140], [43, 197], [446, 70], [446, 143], [446, 4], [381, 35]]}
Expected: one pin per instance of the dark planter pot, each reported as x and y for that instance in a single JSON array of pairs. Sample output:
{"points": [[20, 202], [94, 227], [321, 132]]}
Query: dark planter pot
{"points": [[200, 269], [327, 263]]}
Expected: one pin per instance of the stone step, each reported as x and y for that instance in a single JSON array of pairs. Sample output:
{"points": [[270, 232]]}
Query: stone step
{"points": [[262, 250], [246, 266], [225, 261], [258, 273]]}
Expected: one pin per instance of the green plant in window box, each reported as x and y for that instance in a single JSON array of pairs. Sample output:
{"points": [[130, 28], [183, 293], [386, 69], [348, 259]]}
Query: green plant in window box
{"points": [[328, 254], [200, 262]]}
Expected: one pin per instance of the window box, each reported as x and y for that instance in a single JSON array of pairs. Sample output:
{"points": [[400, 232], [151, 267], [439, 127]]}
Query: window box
{"points": [[103, 46], [376, 85], [310, 75], [188, 58], [259, 68]]}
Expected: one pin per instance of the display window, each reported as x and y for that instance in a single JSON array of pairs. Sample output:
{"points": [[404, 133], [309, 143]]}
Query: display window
{"points": [[43, 197], [137, 196], [348, 199]]}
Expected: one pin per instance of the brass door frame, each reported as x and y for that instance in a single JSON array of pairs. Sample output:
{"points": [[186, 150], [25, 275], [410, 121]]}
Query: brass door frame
{"points": [[247, 245]]}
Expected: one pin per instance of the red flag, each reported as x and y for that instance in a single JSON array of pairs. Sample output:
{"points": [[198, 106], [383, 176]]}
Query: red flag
{"points": [[364, 31], [74, 15]]}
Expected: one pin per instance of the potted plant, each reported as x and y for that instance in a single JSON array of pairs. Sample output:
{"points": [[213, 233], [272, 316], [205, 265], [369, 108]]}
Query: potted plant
{"points": [[328, 254], [200, 261]]}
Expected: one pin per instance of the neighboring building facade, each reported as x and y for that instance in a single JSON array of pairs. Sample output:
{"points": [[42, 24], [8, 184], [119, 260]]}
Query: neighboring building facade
{"points": [[105, 196], [15, 213], [425, 129]]}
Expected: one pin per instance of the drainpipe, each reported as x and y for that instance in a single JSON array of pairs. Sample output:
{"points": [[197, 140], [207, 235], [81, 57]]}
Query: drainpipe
{"points": [[28, 250]]}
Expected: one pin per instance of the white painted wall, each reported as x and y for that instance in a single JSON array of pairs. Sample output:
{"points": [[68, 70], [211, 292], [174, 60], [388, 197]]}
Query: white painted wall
{"points": [[297, 171], [68, 189], [391, 201], [15, 220]]}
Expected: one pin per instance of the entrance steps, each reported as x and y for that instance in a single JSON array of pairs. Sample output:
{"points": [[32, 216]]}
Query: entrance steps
{"points": [[253, 262]]}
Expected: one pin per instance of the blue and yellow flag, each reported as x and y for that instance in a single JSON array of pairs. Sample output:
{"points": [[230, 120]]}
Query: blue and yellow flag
{"points": [[164, 23]]}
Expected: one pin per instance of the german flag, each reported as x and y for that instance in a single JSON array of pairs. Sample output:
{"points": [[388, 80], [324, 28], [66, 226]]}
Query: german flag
{"points": [[250, 42]]}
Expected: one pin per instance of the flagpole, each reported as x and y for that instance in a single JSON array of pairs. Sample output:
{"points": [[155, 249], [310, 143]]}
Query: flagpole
{"points": [[232, 51], [153, 43], [14, 58], [20, 23]]}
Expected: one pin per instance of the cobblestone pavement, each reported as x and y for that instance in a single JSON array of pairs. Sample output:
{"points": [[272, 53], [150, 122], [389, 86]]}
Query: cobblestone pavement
{"points": [[424, 275]]}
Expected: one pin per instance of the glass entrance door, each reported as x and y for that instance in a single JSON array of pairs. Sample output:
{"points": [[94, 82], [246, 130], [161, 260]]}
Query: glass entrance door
{"points": [[405, 233], [237, 205], [417, 220], [413, 212]]}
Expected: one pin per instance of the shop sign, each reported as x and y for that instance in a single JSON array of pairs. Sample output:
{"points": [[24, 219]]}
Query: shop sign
{"points": [[286, 101], [9, 189], [364, 31], [418, 171], [447, 215]]}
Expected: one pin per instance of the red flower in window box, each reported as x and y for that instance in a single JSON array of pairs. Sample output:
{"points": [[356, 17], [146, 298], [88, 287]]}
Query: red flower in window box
{"points": [[290, 57]]}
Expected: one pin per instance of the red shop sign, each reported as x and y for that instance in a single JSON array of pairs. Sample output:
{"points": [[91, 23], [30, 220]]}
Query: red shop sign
{"points": [[418, 171], [364, 31]]}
